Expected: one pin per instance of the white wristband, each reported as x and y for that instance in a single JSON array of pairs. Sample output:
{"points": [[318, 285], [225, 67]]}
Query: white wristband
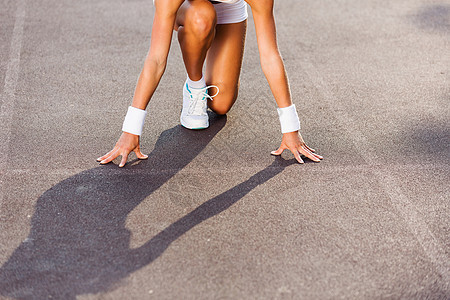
{"points": [[134, 120], [288, 119]]}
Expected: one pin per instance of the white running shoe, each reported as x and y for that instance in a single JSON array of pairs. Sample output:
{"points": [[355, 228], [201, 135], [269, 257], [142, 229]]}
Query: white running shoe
{"points": [[193, 114]]}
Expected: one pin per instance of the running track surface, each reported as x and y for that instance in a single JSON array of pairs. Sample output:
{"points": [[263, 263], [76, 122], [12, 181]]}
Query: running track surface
{"points": [[210, 214]]}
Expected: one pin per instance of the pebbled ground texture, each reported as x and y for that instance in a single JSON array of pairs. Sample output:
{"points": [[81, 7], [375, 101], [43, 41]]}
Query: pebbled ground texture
{"points": [[211, 214]]}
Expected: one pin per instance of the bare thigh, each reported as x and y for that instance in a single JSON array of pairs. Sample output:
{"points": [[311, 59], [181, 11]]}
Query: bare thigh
{"points": [[223, 64]]}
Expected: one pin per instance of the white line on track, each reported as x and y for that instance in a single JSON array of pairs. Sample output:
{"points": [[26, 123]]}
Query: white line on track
{"points": [[387, 181], [8, 96], [317, 168]]}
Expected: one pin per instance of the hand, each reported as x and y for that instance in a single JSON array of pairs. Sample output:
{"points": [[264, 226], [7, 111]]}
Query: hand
{"points": [[127, 142], [294, 142]]}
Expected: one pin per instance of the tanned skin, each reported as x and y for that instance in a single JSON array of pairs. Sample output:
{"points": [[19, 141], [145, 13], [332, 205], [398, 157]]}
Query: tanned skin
{"points": [[217, 46]]}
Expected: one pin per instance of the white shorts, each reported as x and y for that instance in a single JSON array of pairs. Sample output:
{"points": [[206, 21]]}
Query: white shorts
{"points": [[231, 13]]}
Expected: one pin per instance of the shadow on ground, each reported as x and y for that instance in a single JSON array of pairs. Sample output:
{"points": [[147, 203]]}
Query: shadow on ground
{"points": [[435, 17], [426, 140], [78, 242]]}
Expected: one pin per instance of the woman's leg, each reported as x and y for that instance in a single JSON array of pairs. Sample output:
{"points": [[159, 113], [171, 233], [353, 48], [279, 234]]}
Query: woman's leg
{"points": [[195, 23], [223, 64], [222, 45]]}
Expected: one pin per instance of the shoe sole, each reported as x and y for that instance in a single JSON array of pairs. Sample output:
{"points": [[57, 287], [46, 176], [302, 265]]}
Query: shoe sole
{"points": [[193, 128]]}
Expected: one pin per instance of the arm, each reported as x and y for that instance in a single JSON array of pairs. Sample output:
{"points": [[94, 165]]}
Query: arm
{"points": [[271, 61], [155, 63], [274, 70], [154, 67]]}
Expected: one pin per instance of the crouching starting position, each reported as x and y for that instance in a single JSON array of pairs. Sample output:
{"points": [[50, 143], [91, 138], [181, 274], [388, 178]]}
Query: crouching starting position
{"points": [[211, 34]]}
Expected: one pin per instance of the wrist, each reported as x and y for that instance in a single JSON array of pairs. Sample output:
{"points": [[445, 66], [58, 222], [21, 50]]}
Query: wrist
{"points": [[289, 120], [291, 133], [134, 121]]}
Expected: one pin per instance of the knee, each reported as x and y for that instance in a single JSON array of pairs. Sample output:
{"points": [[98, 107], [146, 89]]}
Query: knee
{"points": [[220, 110], [222, 104], [201, 19]]}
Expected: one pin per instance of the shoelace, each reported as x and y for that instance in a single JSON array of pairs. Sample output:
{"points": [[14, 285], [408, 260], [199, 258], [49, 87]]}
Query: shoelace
{"points": [[194, 107]]}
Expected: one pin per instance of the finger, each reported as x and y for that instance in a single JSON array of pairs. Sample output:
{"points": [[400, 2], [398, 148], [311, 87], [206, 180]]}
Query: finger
{"points": [[139, 154], [112, 156], [297, 156], [309, 154], [312, 152], [310, 149], [106, 155], [306, 152], [278, 151], [124, 159], [317, 155]]}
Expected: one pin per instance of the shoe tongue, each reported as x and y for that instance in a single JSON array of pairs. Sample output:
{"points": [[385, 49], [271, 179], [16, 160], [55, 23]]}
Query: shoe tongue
{"points": [[198, 105], [197, 101]]}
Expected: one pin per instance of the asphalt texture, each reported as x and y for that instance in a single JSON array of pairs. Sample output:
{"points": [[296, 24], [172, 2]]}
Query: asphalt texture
{"points": [[211, 214]]}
